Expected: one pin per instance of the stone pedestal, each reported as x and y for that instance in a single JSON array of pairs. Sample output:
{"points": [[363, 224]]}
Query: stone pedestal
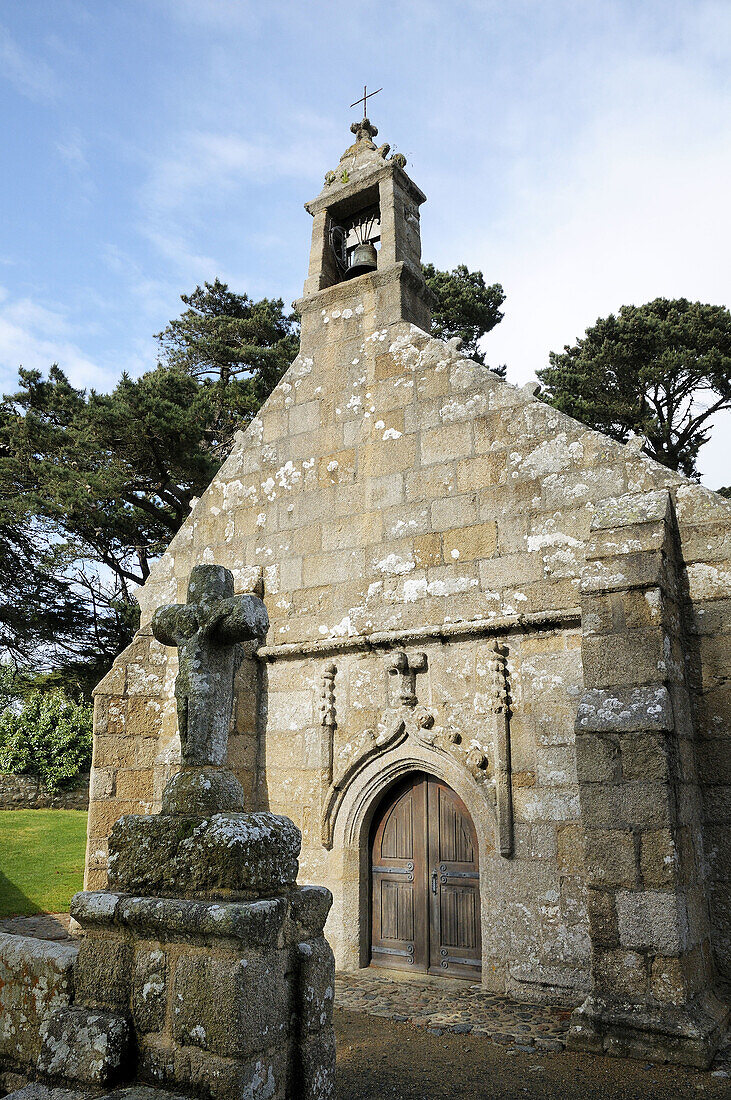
{"points": [[203, 968], [227, 999]]}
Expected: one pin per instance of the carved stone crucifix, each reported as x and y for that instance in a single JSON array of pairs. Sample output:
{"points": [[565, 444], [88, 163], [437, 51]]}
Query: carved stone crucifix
{"points": [[205, 631]]}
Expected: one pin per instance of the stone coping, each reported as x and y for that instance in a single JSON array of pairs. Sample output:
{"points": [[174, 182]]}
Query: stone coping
{"points": [[258, 921]]}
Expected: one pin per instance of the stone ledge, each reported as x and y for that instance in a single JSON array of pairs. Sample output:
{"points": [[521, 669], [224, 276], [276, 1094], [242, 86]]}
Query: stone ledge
{"points": [[508, 624], [251, 922], [226, 855], [685, 1035]]}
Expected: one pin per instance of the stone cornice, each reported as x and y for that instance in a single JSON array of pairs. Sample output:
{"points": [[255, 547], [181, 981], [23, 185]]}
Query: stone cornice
{"points": [[364, 177], [443, 632], [353, 288]]}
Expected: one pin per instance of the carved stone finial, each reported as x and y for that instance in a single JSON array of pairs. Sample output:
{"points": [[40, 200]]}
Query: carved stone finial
{"points": [[364, 131], [327, 697], [405, 667]]}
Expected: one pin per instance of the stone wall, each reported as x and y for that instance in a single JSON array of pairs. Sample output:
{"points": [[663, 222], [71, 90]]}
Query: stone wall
{"points": [[226, 999], [640, 798], [25, 792], [534, 927], [390, 488], [36, 978]]}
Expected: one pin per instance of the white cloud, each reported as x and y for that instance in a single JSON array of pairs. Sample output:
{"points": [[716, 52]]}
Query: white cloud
{"points": [[72, 149], [207, 164], [31, 76], [35, 336], [634, 207], [190, 192]]}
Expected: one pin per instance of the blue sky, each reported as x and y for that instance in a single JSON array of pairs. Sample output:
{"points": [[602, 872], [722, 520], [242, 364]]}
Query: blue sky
{"points": [[577, 152]]}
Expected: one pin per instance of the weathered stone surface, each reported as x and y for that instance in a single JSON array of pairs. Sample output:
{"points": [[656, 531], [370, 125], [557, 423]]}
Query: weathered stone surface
{"points": [[142, 1092], [653, 920], [104, 976], [226, 855], [221, 996], [256, 922], [625, 709], [197, 792], [83, 1045], [316, 984], [631, 509], [36, 979], [205, 630], [309, 907], [150, 990], [317, 1067], [232, 1007], [688, 1035], [26, 792], [38, 1091]]}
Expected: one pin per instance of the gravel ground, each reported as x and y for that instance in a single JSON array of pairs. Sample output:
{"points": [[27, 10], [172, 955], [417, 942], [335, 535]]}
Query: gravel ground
{"points": [[380, 1059]]}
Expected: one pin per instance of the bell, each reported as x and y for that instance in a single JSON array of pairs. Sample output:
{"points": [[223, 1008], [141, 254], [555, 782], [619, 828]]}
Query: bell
{"points": [[364, 258]]}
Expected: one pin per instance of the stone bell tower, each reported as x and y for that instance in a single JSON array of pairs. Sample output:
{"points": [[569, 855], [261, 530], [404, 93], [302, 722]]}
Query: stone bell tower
{"points": [[366, 242]]}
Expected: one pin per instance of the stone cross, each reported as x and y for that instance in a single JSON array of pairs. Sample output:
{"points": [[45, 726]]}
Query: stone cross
{"points": [[205, 631]]}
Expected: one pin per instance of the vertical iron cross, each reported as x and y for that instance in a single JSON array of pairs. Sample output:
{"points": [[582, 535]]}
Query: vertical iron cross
{"points": [[366, 96]]}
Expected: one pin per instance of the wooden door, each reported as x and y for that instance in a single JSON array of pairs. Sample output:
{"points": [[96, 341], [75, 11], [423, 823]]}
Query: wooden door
{"points": [[425, 885]]}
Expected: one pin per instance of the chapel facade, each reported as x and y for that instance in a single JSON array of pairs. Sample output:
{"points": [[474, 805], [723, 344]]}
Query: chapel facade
{"points": [[494, 695]]}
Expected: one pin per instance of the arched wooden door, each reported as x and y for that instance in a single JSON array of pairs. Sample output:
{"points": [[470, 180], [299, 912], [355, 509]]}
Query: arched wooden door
{"points": [[425, 881]]}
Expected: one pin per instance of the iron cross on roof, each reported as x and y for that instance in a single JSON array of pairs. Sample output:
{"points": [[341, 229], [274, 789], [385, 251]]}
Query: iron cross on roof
{"points": [[366, 96]]}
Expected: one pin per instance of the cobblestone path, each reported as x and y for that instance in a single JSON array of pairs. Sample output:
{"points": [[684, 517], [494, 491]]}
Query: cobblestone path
{"points": [[441, 1004]]}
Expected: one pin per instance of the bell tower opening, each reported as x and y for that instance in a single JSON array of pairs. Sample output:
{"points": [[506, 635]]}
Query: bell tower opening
{"points": [[366, 234], [356, 235]]}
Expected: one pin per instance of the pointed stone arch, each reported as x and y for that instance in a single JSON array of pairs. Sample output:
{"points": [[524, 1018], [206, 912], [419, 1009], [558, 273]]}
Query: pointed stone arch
{"points": [[351, 828]]}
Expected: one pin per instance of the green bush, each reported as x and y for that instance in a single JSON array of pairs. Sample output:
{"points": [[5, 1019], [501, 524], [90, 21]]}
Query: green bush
{"points": [[49, 737]]}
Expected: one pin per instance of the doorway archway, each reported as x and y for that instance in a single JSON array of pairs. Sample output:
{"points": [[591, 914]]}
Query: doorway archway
{"points": [[425, 881]]}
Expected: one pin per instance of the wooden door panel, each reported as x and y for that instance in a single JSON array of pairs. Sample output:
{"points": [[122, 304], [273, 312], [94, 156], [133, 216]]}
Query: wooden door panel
{"points": [[458, 917], [397, 911], [397, 841], [455, 940], [453, 840], [398, 874], [425, 882]]}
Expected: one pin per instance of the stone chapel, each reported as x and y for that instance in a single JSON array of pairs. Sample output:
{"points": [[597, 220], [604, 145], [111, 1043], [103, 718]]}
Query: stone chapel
{"points": [[495, 693]]}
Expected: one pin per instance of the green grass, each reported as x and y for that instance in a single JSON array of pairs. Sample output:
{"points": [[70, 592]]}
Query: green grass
{"points": [[41, 860]]}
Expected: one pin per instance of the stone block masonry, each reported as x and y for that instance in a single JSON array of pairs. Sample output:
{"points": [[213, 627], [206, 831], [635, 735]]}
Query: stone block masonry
{"points": [[640, 799], [25, 792], [229, 999], [36, 980]]}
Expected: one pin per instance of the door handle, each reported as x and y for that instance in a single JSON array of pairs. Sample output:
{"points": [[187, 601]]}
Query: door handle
{"points": [[434, 882]]}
